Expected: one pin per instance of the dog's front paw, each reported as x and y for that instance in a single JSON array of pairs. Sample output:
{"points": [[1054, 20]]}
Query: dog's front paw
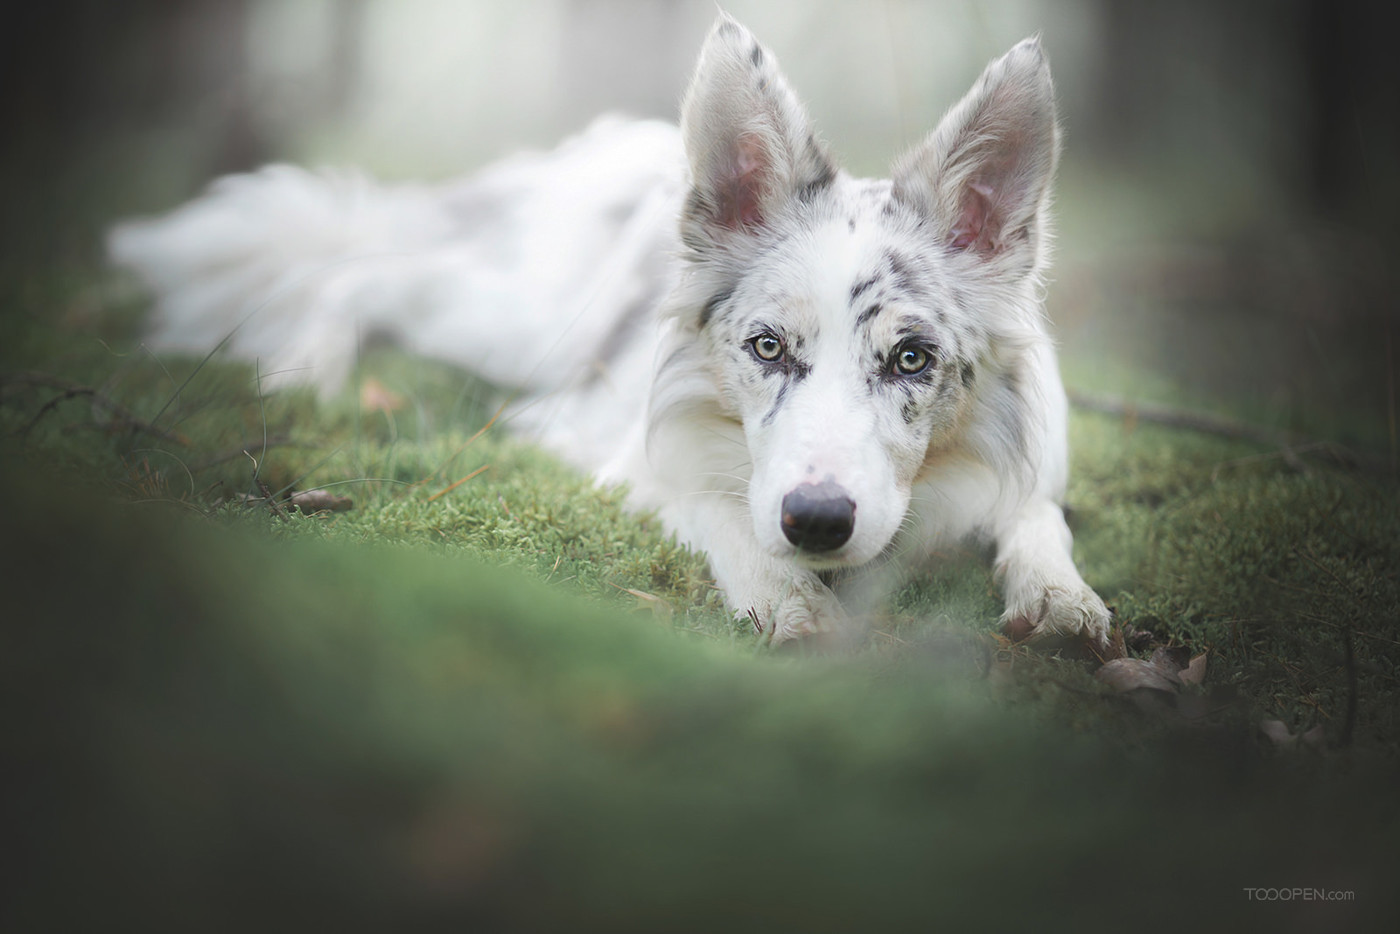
{"points": [[807, 609], [1059, 613]]}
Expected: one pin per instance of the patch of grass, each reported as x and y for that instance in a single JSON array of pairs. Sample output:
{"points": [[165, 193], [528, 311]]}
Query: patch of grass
{"points": [[1229, 549], [445, 706], [221, 730]]}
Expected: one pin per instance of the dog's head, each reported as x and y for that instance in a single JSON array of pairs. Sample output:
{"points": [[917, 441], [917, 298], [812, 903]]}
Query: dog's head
{"points": [[857, 329]]}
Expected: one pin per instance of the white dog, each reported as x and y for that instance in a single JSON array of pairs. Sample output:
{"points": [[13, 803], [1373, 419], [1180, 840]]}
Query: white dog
{"points": [[800, 371]]}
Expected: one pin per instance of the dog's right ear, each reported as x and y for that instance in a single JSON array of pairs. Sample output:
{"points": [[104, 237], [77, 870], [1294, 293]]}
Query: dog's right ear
{"points": [[983, 177], [748, 140]]}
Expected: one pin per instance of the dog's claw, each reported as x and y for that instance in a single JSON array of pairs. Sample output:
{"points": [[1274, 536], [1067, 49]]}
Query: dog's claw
{"points": [[1061, 615]]}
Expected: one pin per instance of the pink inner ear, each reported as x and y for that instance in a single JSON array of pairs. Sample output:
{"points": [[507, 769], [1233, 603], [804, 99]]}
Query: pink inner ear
{"points": [[973, 229], [739, 193]]}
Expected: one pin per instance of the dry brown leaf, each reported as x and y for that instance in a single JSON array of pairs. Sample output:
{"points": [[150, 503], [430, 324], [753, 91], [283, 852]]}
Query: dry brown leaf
{"points": [[1136, 639], [651, 601], [1129, 674], [376, 397], [1316, 737], [1171, 658], [309, 501], [1283, 738], [1195, 670], [1117, 645], [1278, 733]]}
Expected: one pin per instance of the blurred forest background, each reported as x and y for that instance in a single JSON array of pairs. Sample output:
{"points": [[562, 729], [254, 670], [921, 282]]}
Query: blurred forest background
{"points": [[1226, 201], [352, 732]]}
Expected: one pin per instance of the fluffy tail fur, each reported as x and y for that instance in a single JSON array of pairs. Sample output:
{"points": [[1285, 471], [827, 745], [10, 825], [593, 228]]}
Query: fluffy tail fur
{"points": [[523, 272]]}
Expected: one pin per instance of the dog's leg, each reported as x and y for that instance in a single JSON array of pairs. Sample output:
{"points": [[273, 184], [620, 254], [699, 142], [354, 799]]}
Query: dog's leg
{"points": [[1042, 587], [789, 602]]}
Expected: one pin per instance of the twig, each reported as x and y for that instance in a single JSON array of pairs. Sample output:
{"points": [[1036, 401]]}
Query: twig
{"points": [[67, 389], [1178, 418], [1290, 444], [450, 488], [465, 444], [272, 502]]}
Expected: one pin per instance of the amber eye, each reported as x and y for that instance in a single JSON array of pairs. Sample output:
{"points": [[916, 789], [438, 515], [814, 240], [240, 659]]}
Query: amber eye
{"points": [[767, 347], [911, 359]]}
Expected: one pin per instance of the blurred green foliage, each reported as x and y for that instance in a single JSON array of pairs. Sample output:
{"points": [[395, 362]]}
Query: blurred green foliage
{"points": [[446, 708]]}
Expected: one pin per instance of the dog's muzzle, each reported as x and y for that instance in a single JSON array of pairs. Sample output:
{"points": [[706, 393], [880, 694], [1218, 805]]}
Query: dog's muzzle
{"points": [[818, 516]]}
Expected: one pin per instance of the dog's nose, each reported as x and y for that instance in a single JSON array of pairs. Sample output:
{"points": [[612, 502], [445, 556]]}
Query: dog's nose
{"points": [[818, 516]]}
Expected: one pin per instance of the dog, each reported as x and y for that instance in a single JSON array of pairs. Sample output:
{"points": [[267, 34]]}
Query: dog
{"points": [[801, 372]]}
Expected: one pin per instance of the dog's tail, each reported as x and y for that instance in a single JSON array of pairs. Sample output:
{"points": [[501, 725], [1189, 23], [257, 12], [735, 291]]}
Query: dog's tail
{"points": [[520, 273]]}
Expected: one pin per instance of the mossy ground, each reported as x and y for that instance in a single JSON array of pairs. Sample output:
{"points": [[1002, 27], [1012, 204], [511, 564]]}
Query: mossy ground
{"points": [[513, 703]]}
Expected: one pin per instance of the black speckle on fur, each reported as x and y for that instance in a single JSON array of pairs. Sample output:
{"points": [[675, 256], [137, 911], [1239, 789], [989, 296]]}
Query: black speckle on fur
{"points": [[852, 225], [967, 374], [756, 56], [909, 411], [818, 184], [1012, 404], [777, 403], [792, 373], [1011, 382], [867, 314], [861, 287], [904, 272], [697, 212], [696, 243], [718, 299]]}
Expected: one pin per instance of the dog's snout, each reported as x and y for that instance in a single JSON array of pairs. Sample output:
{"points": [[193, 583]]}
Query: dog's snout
{"points": [[818, 516]]}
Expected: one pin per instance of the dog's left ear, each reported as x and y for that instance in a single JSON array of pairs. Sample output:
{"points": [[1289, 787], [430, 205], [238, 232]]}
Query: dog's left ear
{"points": [[748, 139], [984, 175]]}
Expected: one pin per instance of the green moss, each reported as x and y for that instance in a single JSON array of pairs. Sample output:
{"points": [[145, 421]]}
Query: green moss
{"points": [[444, 702]]}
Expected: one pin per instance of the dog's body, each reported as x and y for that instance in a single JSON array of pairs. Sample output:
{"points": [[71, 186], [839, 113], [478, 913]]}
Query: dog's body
{"points": [[794, 367]]}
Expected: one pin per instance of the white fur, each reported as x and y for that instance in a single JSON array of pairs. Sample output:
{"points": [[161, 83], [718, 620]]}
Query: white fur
{"points": [[629, 298]]}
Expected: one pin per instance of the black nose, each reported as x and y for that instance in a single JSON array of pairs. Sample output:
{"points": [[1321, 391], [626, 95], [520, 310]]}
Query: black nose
{"points": [[818, 516]]}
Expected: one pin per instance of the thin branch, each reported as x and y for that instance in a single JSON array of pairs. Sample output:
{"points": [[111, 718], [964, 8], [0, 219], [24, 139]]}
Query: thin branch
{"points": [[1289, 444], [1179, 418], [119, 414]]}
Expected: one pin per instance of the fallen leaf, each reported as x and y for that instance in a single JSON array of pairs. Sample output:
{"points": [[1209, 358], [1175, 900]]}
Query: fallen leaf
{"points": [[659, 607], [1278, 733], [1283, 738], [376, 397], [1137, 639], [1171, 658], [1117, 645], [309, 501], [1130, 674], [1195, 670]]}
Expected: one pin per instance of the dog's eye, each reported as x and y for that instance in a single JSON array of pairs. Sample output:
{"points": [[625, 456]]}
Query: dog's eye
{"points": [[767, 347], [911, 359]]}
